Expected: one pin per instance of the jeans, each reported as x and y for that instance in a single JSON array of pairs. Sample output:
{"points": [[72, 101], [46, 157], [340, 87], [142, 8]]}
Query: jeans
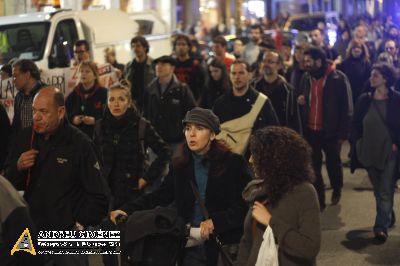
{"points": [[383, 182], [331, 148]]}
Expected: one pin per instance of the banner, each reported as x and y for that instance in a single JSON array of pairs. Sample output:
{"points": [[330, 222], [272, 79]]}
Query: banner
{"points": [[63, 78]]}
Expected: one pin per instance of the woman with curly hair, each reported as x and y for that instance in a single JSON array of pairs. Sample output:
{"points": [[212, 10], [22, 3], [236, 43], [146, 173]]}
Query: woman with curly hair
{"points": [[284, 199]]}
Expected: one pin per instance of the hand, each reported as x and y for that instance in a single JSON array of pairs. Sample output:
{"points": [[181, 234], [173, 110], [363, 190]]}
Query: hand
{"points": [[206, 228], [301, 100], [78, 226], [261, 213], [115, 214], [89, 120], [142, 183], [26, 160], [394, 148], [77, 120]]}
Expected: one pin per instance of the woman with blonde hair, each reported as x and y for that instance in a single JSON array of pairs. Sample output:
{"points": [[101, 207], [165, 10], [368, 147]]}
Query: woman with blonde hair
{"points": [[85, 104]]}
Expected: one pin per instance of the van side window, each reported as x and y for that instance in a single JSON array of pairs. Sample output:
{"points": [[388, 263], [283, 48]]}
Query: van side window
{"points": [[62, 47], [145, 26]]}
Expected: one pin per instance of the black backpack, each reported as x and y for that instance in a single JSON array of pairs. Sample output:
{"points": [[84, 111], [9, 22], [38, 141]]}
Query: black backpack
{"points": [[154, 237]]}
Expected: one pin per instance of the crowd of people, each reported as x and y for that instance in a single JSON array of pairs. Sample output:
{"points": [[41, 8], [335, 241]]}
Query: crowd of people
{"points": [[246, 127]]}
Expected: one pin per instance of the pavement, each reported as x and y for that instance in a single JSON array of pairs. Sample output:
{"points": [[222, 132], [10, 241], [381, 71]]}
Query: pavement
{"points": [[347, 238]]}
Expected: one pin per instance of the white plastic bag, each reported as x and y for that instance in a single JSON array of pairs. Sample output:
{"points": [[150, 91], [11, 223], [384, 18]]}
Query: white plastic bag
{"points": [[268, 253]]}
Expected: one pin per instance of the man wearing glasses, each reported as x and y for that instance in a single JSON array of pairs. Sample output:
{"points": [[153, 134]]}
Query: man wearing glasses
{"points": [[392, 49], [81, 51], [278, 90]]}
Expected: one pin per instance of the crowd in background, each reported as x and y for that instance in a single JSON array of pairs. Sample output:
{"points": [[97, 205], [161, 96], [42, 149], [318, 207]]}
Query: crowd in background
{"points": [[253, 83]]}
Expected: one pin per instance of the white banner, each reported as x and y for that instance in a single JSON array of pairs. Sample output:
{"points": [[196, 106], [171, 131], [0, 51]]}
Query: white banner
{"points": [[63, 78]]}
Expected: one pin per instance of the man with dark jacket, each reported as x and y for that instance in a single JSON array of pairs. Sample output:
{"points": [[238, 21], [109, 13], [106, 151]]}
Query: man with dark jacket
{"points": [[239, 102], [139, 71], [166, 102], [27, 81], [326, 107], [280, 92], [188, 69], [57, 167]]}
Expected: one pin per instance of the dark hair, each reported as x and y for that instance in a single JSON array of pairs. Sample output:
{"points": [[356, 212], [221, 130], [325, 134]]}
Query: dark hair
{"points": [[25, 65], [280, 58], [282, 158], [225, 82], [365, 53], [320, 31], [256, 27], [182, 37], [388, 72], [220, 40], [84, 43], [142, 40], [6, 68], [316, 53], [216, 156], [241, 62]]}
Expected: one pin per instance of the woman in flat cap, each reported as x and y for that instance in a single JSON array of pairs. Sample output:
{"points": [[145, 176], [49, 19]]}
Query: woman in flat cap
{"points": [[218, 175]]}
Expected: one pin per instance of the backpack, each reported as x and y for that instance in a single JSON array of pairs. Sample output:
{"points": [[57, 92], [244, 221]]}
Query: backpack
{"points": [[154, 237]]}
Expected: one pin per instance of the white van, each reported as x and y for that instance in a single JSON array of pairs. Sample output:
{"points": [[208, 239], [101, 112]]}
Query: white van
{"points": [[48, 39]]}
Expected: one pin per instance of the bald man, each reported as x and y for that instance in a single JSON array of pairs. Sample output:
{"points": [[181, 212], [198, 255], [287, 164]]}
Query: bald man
{"points": [[56, 165]]}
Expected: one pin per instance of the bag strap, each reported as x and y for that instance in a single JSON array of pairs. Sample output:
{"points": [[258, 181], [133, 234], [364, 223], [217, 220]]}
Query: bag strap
{"points": [[206, 215], [142, 131], [256, 108], [383, 120], [200, 200]]}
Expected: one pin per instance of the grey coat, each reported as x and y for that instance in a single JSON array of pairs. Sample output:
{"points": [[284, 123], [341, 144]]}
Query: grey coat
{"points": [[295, 223]]}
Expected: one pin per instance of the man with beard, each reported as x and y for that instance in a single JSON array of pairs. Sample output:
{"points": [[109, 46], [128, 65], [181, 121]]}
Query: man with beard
{"points": [[238, 104], [251, 50], [326, 108], [188, 70], [280, 92], [317, 39]]}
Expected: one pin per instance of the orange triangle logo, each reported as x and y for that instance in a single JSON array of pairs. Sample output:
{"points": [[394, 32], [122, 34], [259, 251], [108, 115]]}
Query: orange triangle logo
{"points": [[24, 243]]}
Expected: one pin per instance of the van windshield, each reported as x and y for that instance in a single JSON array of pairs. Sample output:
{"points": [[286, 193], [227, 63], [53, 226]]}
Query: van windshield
{"points": [[24, 41]]}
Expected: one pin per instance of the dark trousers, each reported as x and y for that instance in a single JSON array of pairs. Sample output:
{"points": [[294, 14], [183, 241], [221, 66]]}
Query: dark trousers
{"points": [[331, 147]]}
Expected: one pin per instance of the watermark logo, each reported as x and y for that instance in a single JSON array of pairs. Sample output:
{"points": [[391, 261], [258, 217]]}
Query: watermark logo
{"points": [[24, 243]]}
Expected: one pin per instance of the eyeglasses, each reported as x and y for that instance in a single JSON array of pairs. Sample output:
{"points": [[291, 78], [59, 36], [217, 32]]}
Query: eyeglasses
{"points": [[79, 51], [270, 62], [390, 48]]}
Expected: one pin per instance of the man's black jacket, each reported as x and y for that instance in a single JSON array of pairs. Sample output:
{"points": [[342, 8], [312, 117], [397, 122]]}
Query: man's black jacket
{"points": [[66, 184]]}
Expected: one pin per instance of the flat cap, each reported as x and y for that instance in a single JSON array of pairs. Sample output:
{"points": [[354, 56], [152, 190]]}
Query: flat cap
{"points": [[203, 117], [165, 59]]}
